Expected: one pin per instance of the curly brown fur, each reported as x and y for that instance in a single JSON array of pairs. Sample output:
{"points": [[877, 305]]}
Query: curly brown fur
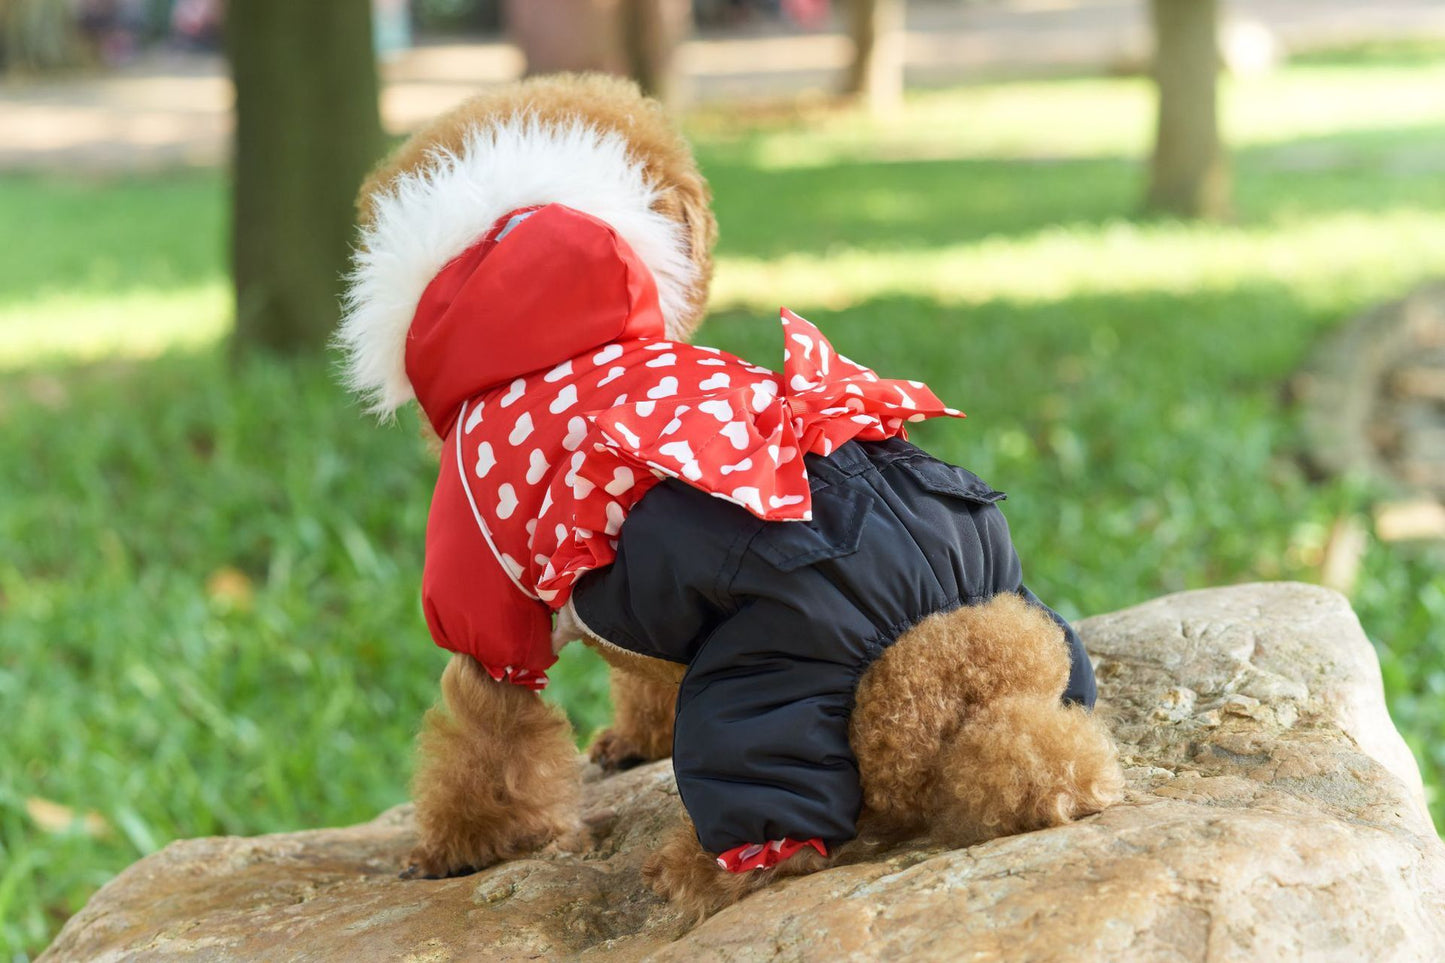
{"points": [[641, 730], [609, 104], [913, 699], [1022, 763], [644, 697], [687, 876], [644, 667], [939, 713], [496, 775]]}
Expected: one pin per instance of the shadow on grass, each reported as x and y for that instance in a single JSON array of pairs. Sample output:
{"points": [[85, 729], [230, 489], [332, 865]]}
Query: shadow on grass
{"points": [[881, 205], [108, 238], [910, 204], [1357, 171], [79, 236]]}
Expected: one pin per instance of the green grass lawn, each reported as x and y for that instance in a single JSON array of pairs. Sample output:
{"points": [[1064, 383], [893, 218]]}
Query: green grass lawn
{"points": [[208, 588]]}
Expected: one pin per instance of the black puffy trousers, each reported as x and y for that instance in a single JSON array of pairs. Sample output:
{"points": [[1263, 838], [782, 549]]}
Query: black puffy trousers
{"points": [[778, 621]]}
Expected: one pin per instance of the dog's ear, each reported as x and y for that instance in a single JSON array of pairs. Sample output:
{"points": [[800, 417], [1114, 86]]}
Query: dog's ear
{"points": [[434, 203], [429, 437], [689, 203], [591, 143]]}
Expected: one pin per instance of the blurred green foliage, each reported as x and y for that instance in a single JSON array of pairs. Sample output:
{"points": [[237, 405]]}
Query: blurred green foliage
{"points": [[208, 588]]}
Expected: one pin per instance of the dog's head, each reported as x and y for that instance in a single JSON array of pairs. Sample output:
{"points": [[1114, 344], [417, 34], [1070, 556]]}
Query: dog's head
{"points": [[589, 142]]}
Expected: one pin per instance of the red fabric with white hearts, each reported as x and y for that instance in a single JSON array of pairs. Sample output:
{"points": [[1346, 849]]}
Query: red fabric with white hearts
{"points": [[740, 439], [544, 467]]}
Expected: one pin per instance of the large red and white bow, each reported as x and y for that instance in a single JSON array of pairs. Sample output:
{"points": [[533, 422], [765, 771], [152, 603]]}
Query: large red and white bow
{"points": [[746, 444]]}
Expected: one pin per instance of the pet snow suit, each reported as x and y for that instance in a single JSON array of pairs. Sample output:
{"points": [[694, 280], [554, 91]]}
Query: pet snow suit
{"points": [[773, 532], [778, 622]]}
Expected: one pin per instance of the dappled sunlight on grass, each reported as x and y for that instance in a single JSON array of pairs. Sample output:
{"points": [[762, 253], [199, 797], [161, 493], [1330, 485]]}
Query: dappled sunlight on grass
{"points": [[910, 206], [938, 200], [1076, 118], [1373, 255], [128, 324], [126, 267], [1095, 117]]}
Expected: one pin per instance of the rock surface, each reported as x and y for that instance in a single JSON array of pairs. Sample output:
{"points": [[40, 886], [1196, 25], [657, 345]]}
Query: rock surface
{"points": [[1273, 813]]}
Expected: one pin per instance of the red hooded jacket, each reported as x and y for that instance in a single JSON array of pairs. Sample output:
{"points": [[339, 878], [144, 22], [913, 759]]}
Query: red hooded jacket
{"points": [[540, 358]]}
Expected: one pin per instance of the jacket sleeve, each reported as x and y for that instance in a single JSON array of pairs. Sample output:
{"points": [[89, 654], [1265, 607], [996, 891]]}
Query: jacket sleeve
{"points": [[472, 606]]}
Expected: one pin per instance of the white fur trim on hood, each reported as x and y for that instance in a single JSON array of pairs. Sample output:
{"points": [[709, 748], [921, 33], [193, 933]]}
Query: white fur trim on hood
{"points": [[429, 216]]}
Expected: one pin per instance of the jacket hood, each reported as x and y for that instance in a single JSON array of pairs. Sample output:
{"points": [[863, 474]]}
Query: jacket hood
{"points": [[427, 218], [542, 286]]}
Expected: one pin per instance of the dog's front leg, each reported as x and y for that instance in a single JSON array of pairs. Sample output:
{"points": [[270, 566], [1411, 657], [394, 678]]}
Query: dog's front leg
{"points": [[496, 775], [644, 699], [641, 730]]}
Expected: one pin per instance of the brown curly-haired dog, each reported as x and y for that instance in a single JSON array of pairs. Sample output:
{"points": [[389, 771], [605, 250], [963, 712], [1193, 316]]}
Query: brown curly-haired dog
{"points": [[959, 729]]}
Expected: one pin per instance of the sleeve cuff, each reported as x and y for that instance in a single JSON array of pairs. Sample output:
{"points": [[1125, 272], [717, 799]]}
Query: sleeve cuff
{"points": [[750, 856], [516, 675]]}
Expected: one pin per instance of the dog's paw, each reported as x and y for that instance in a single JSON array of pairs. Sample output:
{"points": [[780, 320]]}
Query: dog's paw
{"points": [[689, 878], [615, 752], [692, 881], [430, 862]]}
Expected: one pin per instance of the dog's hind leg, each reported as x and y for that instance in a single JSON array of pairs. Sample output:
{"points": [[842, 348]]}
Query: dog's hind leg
{"points": [[960, 728], [496, 775], [1021, 759], [644, 699], [686, 875], [1021, 763]]}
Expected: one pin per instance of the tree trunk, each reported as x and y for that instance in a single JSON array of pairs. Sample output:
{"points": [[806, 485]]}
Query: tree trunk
{"points": [[39, 35], [637, 38], [876, 74], [307, 130], [651, 32], [576, 35], [1190, 174]]}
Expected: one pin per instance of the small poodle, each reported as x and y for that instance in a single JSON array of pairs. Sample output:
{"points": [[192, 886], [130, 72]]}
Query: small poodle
{"points": [[823, 625]]}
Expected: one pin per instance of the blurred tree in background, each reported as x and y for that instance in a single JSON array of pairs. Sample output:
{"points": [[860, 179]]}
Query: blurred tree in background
{"points": [[640, 39], [1189, 176], [635, 38], [308, 129], [651, 32], [876, 73], [38, 35]]}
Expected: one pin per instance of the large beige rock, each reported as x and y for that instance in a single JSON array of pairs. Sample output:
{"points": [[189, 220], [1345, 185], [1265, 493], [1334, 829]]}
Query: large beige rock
{"points": [[1273, 814]]}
